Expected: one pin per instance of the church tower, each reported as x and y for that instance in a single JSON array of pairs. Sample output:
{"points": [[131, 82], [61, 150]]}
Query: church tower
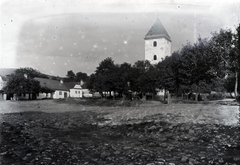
{"points": [[157, 43]]}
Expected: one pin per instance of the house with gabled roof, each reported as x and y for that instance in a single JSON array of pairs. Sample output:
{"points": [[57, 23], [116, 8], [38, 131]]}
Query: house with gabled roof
{"points": [[60, 91], [75, 89]]}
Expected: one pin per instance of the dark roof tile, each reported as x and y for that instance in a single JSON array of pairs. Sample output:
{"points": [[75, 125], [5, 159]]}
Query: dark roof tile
{"points": [[51, 84], [70, 85]]}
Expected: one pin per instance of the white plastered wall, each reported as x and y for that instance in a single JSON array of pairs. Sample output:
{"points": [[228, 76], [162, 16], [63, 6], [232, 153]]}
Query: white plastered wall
{"points": [[162, 49]]}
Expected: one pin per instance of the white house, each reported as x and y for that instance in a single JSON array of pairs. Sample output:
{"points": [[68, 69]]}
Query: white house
{"points": [[157, 43], [160, 92], [60, 90], [86, 92], [75, 89], [2, 82]]}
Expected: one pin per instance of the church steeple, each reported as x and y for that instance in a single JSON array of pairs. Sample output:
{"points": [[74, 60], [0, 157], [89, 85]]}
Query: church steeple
{"points": [[157, 30], [157, 43]]}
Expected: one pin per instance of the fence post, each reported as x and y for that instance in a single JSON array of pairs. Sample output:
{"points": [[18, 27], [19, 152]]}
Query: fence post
{"points": [[169, 98]]}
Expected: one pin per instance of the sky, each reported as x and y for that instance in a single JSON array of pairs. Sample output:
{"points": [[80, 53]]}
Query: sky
{"points": [[55, 36]]}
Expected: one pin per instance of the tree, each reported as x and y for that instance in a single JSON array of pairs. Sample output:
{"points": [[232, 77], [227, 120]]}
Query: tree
{"points": [[218, 85], [169, 74], [19, 84], [107, 76], [229, 84], [236, 89], [226, 47], [94, 84], [144, 79], [197, 65], [125, 78], [71, 75], [81, 76]]}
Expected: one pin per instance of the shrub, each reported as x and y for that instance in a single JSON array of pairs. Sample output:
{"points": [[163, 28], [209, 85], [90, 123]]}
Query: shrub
{"points": [[215, 96]]}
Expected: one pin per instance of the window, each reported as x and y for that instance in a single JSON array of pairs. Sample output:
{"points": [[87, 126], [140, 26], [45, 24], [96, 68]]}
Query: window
{"points": [[60, 93], [79, 92], [155, 57], [154, 43], [75, 92]]}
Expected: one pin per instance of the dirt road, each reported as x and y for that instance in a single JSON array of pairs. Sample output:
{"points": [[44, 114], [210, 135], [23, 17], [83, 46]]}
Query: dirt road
{"points": [[181, 113]]}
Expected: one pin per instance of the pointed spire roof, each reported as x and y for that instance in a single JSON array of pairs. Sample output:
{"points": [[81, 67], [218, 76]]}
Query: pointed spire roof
{"points": [[157, 31]]}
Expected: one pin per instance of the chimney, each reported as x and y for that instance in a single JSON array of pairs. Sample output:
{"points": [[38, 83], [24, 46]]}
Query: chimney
{"points": [[81, 82]]}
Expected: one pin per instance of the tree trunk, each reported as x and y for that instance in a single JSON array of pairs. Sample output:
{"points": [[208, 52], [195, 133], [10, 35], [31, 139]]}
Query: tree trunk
{"points": [[113, 95], [164, 96], [196, 97], [197, 93], [169, 98], [144, 97], [236, 85]]}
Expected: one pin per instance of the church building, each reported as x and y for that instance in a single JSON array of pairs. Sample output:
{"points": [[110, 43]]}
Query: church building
{"points": [[157, 43]]}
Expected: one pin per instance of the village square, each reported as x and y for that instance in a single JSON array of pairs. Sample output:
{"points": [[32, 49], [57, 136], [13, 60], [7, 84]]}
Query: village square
{"points": [[113, 89]]}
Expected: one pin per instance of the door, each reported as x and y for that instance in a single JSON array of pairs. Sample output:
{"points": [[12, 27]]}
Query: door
{"points": [[65, 94]]}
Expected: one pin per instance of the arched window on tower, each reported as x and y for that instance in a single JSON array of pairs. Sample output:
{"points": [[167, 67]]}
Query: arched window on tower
{"points": [[154, 43], [155, 57]]}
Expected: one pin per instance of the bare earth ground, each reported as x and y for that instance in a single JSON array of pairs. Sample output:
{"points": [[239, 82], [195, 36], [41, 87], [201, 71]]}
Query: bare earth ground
{"points": [[61, 132]]}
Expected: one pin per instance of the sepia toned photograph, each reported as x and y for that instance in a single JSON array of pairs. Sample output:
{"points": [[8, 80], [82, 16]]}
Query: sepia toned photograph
{"points": [[112, 82]]}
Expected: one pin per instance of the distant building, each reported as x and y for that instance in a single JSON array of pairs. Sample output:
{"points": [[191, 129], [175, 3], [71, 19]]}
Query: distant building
{"points": [[75, 89], [87, 93], [157, 43], [60, 90], [2, 82]]}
